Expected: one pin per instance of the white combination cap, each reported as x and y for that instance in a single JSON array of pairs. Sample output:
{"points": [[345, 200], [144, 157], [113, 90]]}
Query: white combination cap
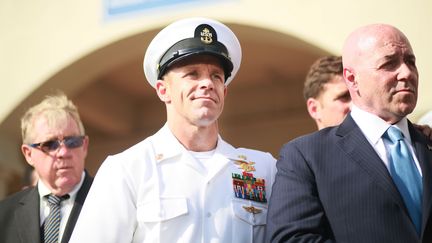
{"points": [[192, 36]]}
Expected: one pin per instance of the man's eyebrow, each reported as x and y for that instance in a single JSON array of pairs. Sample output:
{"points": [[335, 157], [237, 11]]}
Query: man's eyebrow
{"points": [[410, 56], [388, 56], [345, 94]]}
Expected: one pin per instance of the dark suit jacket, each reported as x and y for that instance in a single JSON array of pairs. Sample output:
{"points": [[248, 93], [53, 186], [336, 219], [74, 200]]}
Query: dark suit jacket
{"points": [[331, 186], [20, 220]]}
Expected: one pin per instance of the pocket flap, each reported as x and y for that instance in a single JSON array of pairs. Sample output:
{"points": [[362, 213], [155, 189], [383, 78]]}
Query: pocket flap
{"points": [[249, 212], [162, 209]]}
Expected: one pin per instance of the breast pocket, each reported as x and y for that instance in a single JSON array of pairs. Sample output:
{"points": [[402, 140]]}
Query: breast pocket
{"points": [[250, 220], [161, 210]]}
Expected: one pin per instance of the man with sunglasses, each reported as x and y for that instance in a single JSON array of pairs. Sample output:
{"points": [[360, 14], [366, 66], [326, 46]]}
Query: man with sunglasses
{"points": [[55, 145]]}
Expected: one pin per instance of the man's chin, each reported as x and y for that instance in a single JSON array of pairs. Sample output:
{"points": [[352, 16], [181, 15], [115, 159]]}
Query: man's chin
{"points": [[206, 118], [204, 123], [67, 181], [406, 109]]}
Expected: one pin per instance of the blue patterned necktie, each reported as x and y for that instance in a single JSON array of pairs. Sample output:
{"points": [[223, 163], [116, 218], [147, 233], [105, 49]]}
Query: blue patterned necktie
{"points": [[405, 175], [52, 222]]}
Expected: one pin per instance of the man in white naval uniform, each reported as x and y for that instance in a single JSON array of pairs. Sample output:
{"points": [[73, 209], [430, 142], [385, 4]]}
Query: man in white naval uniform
{"points": [[184, 183]]}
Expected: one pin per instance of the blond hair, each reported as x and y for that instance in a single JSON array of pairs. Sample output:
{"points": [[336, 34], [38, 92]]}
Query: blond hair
{"points": [[55, 109]]}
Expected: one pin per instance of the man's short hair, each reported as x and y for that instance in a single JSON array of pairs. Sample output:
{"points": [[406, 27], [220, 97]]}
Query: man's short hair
{"points": [[55, 108], [321, 72]]}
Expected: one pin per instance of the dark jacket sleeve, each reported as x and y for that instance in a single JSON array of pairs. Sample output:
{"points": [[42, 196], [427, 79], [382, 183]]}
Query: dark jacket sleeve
{"points": [[295, 212]]}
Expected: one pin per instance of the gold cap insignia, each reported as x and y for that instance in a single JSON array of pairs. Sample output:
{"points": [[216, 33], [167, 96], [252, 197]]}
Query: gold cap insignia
{"points": [[206, 36]]}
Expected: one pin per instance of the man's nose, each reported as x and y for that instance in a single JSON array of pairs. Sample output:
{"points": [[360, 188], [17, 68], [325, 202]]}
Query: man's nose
{"points": [[206, 82], [406, 72]]}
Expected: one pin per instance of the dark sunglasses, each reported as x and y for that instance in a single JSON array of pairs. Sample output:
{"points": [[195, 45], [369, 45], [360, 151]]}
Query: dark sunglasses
{"points": [[52, 145]]}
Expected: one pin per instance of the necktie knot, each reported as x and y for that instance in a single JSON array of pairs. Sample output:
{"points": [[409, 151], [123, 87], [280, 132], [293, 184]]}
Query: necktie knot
{"points": [[394, 134], [54, 200]]}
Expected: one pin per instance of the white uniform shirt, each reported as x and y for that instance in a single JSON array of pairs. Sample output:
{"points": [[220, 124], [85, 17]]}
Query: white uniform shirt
{"points": [[156, 191]]}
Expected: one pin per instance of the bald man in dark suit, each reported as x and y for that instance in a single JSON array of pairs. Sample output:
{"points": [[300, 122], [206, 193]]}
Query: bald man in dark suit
{"points": [[339, 184]]}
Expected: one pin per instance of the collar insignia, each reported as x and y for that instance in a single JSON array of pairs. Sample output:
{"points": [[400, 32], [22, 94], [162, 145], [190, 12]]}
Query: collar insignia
{"points": [[158, 157]]}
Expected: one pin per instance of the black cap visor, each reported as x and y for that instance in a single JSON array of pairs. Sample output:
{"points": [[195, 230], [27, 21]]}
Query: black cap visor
{"points": [[194, 46]]}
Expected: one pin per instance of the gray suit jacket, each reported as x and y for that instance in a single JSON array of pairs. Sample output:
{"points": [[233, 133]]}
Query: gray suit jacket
{"points": [[331, 186], [19, 215]]}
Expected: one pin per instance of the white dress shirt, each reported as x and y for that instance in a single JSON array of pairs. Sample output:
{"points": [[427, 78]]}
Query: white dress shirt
{"points": [[65, 206], [373, 127]]}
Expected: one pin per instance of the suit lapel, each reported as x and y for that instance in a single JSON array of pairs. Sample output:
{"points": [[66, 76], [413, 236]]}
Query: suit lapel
{"points": [[27, 219], [353, 142], [76, 209], [424, 156]]}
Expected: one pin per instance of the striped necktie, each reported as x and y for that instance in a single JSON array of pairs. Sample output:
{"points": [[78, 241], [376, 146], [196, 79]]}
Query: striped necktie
{"points": [[405, 175], [52, 222]]}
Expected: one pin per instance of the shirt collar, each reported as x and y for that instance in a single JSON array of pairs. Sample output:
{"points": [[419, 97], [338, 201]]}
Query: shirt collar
{"points": [[373, 127], [44, 190], [167, 146]]}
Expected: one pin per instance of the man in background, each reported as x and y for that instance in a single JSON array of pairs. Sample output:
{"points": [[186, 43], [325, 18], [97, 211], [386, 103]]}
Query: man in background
{"points": [[55, 145], [327, 98]]}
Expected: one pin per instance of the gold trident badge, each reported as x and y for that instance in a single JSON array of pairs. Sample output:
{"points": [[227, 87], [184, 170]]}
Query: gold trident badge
{"points": [[246, 166]]}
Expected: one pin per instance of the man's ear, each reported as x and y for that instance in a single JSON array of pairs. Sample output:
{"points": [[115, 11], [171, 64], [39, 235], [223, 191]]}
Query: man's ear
{"points": [[85, 145], [26, 150], [162, 91], [350, 78], [313, 108]]}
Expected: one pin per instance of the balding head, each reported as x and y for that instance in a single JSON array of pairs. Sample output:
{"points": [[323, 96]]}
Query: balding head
{"points": [[363, 40], [380, 71]]}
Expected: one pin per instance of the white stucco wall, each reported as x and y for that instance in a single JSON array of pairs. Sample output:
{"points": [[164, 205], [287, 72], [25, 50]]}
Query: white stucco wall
{"points": [[41, 37]]}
